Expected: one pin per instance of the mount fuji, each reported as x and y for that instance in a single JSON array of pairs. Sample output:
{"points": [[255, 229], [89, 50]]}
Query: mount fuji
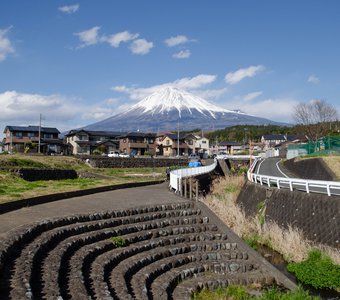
{"points": [[167, 107]]}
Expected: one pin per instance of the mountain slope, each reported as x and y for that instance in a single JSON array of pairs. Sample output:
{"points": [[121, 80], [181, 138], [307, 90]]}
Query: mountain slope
{"points": [[168, 107]]}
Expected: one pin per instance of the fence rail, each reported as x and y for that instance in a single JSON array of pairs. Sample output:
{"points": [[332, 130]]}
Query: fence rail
{"points": [[306, 185], [177, 175]]}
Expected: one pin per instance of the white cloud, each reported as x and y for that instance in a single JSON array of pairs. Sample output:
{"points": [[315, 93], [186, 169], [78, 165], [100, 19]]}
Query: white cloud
{"points": [[89, 37], [5, 44], [252, 96], [141, 46], [192, 84], [69, 9], [176, 40], [313, 79], [237, 76], [115, 39], [275, 109], [182, 54]]}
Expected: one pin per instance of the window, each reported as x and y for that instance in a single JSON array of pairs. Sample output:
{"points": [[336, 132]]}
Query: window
{"points": [[18, 134], [48, 136], [190, 142], [167, 142], [204, 142], [31, 134]]}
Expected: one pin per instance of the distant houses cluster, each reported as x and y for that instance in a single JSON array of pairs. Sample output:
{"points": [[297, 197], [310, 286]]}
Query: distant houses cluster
{"points": [[28, 139], [47, 140]]}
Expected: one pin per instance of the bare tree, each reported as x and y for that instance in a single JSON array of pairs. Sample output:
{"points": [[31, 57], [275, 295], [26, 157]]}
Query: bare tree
{"points": [[316, 116]]}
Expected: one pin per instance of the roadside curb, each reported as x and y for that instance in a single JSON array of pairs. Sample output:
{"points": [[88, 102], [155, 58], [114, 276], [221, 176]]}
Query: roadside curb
{"points": [[17, 204]]}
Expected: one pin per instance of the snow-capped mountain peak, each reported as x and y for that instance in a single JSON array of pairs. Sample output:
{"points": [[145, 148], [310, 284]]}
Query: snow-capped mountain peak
{"points": [[170, 98]]}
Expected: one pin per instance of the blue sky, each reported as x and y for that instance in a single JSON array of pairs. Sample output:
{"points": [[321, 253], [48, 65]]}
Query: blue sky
{"points": [[78, 62]]}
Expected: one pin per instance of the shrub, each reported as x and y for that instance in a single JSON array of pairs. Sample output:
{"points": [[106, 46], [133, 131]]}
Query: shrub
{"points": [[118, 241], [317, 270]]}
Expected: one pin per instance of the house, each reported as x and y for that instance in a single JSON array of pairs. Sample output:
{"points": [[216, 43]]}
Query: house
{"points": [[170, 144], [230, 147], [84, 142], [202, 145], [23, 139], [271, 140], [274, 140], [138, 143]]}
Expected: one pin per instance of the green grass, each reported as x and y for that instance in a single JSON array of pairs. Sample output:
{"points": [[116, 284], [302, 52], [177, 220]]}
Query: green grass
{"points": [[317, 271], [118, 241], [233, 292]]}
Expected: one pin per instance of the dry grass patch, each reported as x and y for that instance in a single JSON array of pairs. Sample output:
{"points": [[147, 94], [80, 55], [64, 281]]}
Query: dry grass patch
{"points": [[333, 162], [289, 242]]}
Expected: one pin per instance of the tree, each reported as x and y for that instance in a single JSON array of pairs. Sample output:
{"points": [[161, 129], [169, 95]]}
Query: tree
{"points": [[316, 116]]}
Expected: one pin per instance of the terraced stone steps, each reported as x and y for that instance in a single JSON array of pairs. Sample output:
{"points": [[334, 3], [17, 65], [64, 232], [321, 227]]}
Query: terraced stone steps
{"points": [[167, 251]]}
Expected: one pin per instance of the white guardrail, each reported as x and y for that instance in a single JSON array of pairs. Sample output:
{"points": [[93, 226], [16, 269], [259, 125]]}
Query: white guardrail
{"points": [[177, 175], [309, 186]]}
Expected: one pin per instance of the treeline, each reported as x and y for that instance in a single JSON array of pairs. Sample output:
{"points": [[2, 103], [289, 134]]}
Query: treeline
{"points": [[241, 133]]}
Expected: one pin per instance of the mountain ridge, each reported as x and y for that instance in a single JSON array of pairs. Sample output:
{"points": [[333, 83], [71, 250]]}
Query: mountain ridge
{"points": [[164, 109]]}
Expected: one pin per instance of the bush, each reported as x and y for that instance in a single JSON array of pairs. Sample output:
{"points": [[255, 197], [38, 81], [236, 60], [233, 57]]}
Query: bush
{"points": [[317, 271], [118, 241]]}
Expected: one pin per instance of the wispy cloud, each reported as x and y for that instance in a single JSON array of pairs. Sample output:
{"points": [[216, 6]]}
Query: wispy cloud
{"points": [[313, 79], [141, 46], [89, 37], [237, 76], [276, 109], [192, 84], [252, 96], [176, 40], [182, 54], [6, 47], [69, 9], [121, 37]]}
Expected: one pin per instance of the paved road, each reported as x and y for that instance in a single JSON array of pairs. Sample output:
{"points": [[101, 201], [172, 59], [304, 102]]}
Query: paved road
{"points": [[270, 167], [118, 199]]}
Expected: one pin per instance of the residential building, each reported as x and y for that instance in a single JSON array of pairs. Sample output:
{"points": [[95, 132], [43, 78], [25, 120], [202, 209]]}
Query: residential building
{"points": [[22, 139], [271, 140], [230, 147], [84, 142], [169, 144], [138, 143], [202, 146]]}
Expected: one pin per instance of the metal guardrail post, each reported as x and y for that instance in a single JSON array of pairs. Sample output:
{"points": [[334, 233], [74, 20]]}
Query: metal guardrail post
{"points": [[196, 190], [190, 188], [185, 187]]}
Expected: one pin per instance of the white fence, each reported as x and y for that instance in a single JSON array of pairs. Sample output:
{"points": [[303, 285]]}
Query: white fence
{"points": [[177, 175], [308, 186]]}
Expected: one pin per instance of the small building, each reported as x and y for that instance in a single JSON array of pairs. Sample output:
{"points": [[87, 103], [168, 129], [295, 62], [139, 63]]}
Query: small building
{"points": [[202, 146], [271, 140], [169, 144], [138, 143], [84, 142], [26, 139], [230, 147]]}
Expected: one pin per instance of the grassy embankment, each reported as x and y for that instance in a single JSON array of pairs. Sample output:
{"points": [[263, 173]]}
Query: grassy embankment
{"points": [[290, 242], [13, 188]]}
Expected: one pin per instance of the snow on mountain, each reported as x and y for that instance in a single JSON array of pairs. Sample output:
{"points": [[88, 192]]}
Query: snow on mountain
{"points": [[169, 106], [169, 98]]}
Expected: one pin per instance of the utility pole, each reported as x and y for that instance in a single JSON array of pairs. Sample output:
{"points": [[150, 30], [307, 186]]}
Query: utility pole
{"points": [[39, 133], [178, 138]]}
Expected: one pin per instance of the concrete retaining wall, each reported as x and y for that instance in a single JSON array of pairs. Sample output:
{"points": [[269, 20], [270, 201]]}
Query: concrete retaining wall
{"points": [[46, 174], [311, 168], [317, 215], [147, 162]]}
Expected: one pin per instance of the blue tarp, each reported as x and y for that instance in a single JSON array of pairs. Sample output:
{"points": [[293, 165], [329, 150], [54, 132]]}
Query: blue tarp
{"points": [[194, 164]]}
